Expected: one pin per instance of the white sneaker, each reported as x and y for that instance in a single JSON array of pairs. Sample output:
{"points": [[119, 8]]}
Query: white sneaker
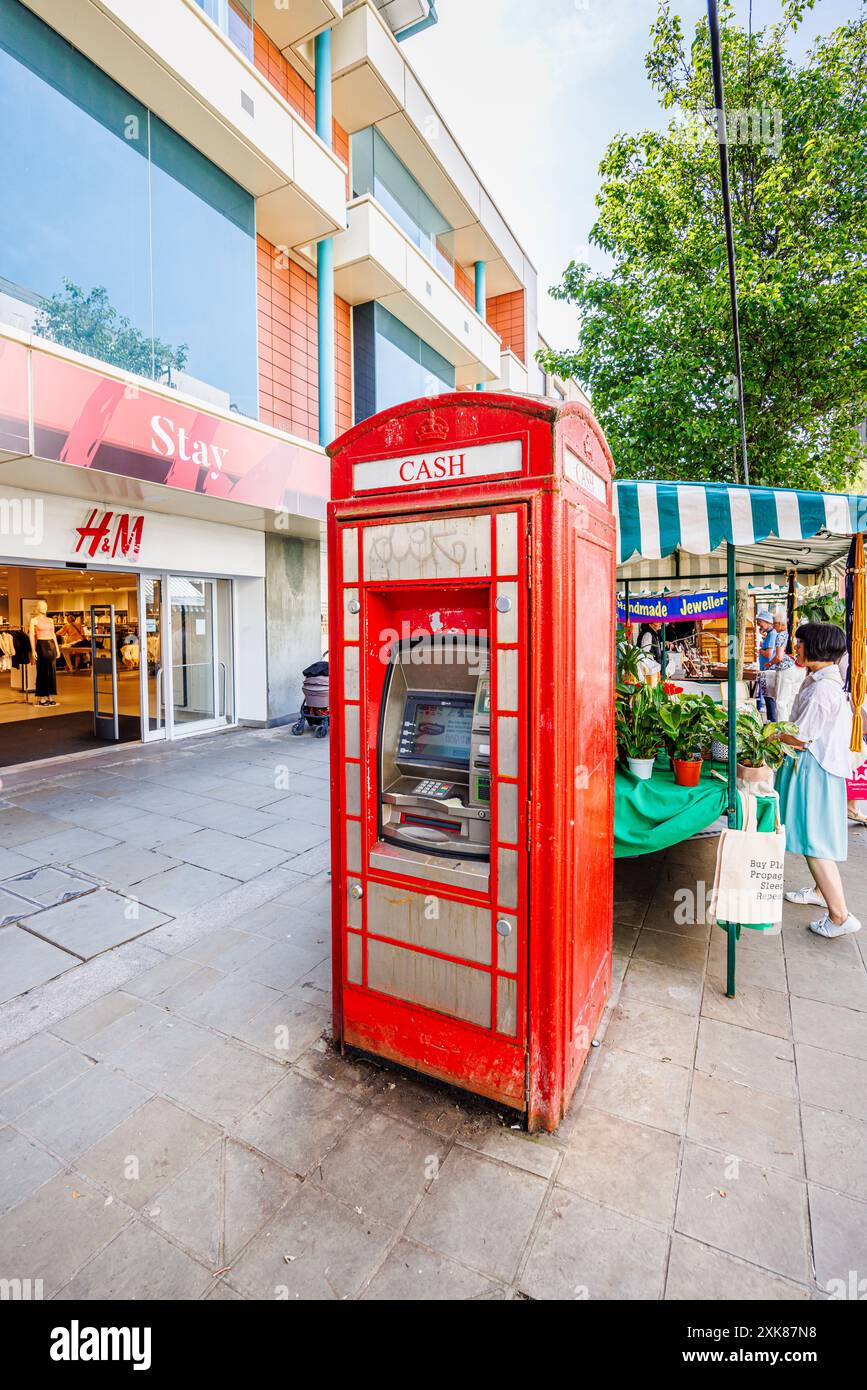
{"points": [[825, 927], [803, 896]]}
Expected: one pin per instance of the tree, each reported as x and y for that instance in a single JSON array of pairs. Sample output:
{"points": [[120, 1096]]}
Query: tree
{"points": [[655, 344], [89, 323]]}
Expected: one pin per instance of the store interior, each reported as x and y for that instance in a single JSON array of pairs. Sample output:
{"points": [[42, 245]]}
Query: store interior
{"points": [[30, 730]]}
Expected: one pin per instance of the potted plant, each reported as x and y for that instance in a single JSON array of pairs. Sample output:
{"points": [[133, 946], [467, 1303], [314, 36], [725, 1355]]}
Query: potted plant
{"points": [[688, 723], [760, 751], [638, 727]]}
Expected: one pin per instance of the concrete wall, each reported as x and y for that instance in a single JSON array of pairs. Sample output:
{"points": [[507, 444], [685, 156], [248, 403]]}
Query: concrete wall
{"points": [[292, 612]]}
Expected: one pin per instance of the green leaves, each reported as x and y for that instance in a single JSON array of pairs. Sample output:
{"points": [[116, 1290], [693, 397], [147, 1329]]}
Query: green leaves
{"points": [[655, 349]]}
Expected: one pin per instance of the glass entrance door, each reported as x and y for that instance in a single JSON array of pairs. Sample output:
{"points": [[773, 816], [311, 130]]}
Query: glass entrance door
{"points": [[186, 668], [153, 676], [194, 658]]}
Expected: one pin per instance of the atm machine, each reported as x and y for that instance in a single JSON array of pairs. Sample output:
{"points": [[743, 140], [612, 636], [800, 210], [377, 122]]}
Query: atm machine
{"points": [[434, 749], [471, 550]]}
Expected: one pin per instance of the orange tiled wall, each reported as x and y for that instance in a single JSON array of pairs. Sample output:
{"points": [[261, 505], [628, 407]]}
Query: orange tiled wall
{"points": [[292, 87], [465, 284], [505, 314], [289, 346]]}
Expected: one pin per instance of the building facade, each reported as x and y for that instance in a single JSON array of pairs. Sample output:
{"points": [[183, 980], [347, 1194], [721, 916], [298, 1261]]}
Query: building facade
{"points": [[226, 235]]}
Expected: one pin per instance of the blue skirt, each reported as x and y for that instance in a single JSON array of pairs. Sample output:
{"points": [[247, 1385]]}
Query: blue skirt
{"points": [[813, 808]]}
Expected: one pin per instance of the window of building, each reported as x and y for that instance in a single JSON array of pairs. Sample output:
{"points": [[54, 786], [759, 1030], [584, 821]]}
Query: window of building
{"points": [[235, 18], [377, 171], [392, 364], [117, 238]]}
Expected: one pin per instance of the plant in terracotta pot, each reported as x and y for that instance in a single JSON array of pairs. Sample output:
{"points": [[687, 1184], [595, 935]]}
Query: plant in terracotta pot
{"points": [[688, 723], [638, 727]]}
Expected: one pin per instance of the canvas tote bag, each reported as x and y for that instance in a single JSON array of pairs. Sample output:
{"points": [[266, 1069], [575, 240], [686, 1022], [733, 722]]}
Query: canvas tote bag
{"points": [[748, 887]]}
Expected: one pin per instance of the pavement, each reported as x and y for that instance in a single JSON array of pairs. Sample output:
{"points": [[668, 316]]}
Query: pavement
{"points": [[174, 1122]]}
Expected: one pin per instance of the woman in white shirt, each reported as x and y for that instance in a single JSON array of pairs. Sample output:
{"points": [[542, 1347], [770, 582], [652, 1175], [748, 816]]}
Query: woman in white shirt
{"points": [[812, 785]]}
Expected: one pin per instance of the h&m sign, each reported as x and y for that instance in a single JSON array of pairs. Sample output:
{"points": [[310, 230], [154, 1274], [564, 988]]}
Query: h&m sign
{"points": [[110, 535]]}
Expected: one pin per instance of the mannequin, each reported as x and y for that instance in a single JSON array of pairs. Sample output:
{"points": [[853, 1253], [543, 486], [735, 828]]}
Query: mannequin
{"points": [[45, 653]]}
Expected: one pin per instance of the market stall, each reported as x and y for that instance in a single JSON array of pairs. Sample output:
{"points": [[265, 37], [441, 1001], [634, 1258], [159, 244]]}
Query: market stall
{"points": [[686, 537]]}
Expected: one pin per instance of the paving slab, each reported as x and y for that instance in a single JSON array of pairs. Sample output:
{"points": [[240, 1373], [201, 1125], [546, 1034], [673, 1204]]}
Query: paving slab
{"points": [[830, 1026], [315, 1248], [87, 1108], [412, 1272], [752, 1059], [832, 1081], [745, 1210], [124, 865], [652, 1030], [18, 827], [95, 923], [228, 1003], [67, 846], [751, 1124], [221, 852], [584, 1251], [178, 890], [173, 1046], [28, 1057], [479, 1212], [39, 1085], [607, 1153], [51, 1234], [663, 984], [293, 836], [381, 1167], [639, 1088], [839, 1226], [297, 1123], [697, 1271], [139, 1264], [26, 962], [225, 1083], [836, 1151], [24, 1167], [146, 1151]]}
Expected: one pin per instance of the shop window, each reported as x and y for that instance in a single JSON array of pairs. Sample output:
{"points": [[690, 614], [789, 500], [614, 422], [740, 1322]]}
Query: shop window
{"points": [[392, 364], [376, 170], [117, 238]]}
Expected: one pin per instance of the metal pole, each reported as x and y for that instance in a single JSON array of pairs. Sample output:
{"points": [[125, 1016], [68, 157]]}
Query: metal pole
{"points": [[731, 566], [722, 139], [664, 661]]}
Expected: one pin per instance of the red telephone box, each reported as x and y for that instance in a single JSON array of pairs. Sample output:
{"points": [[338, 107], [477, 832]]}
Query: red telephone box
{"points": [[472, 579]]}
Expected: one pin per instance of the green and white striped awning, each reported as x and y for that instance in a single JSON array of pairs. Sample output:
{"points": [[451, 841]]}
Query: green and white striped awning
{"points": [[679, 531]]}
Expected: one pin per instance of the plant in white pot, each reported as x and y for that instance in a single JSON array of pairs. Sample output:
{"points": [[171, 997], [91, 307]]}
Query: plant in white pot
{"points": [[638, 727]]}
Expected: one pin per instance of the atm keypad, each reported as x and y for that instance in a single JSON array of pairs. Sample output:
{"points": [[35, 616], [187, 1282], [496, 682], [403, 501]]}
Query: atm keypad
{"points": [[438, 790]]}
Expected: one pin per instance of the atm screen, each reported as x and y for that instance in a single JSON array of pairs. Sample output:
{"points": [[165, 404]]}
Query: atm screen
{"points": [[437, 730]]}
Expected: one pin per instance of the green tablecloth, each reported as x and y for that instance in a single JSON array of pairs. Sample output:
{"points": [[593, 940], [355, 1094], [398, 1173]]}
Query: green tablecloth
{"points": [[649, 816]]}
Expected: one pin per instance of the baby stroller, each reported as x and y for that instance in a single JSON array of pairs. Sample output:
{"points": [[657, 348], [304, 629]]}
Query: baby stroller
{"points": [[314, 710]]}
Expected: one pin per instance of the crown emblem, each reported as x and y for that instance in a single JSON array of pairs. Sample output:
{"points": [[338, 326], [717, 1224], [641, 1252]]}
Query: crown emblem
{"points": [[432, 429]]}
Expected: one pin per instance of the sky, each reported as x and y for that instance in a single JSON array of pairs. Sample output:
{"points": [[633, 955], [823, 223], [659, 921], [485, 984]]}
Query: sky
{"points": [[535, 91]]}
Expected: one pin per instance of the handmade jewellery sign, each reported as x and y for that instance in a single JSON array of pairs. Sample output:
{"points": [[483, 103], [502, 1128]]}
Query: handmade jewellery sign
{"points": [[672, 608], [439, 466]]}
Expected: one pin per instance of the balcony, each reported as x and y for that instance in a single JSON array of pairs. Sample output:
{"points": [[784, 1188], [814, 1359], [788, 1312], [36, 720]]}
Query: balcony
{"points": [[375, 85], [178, 62], [375, 259], [513, 374], [298, 23]]}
